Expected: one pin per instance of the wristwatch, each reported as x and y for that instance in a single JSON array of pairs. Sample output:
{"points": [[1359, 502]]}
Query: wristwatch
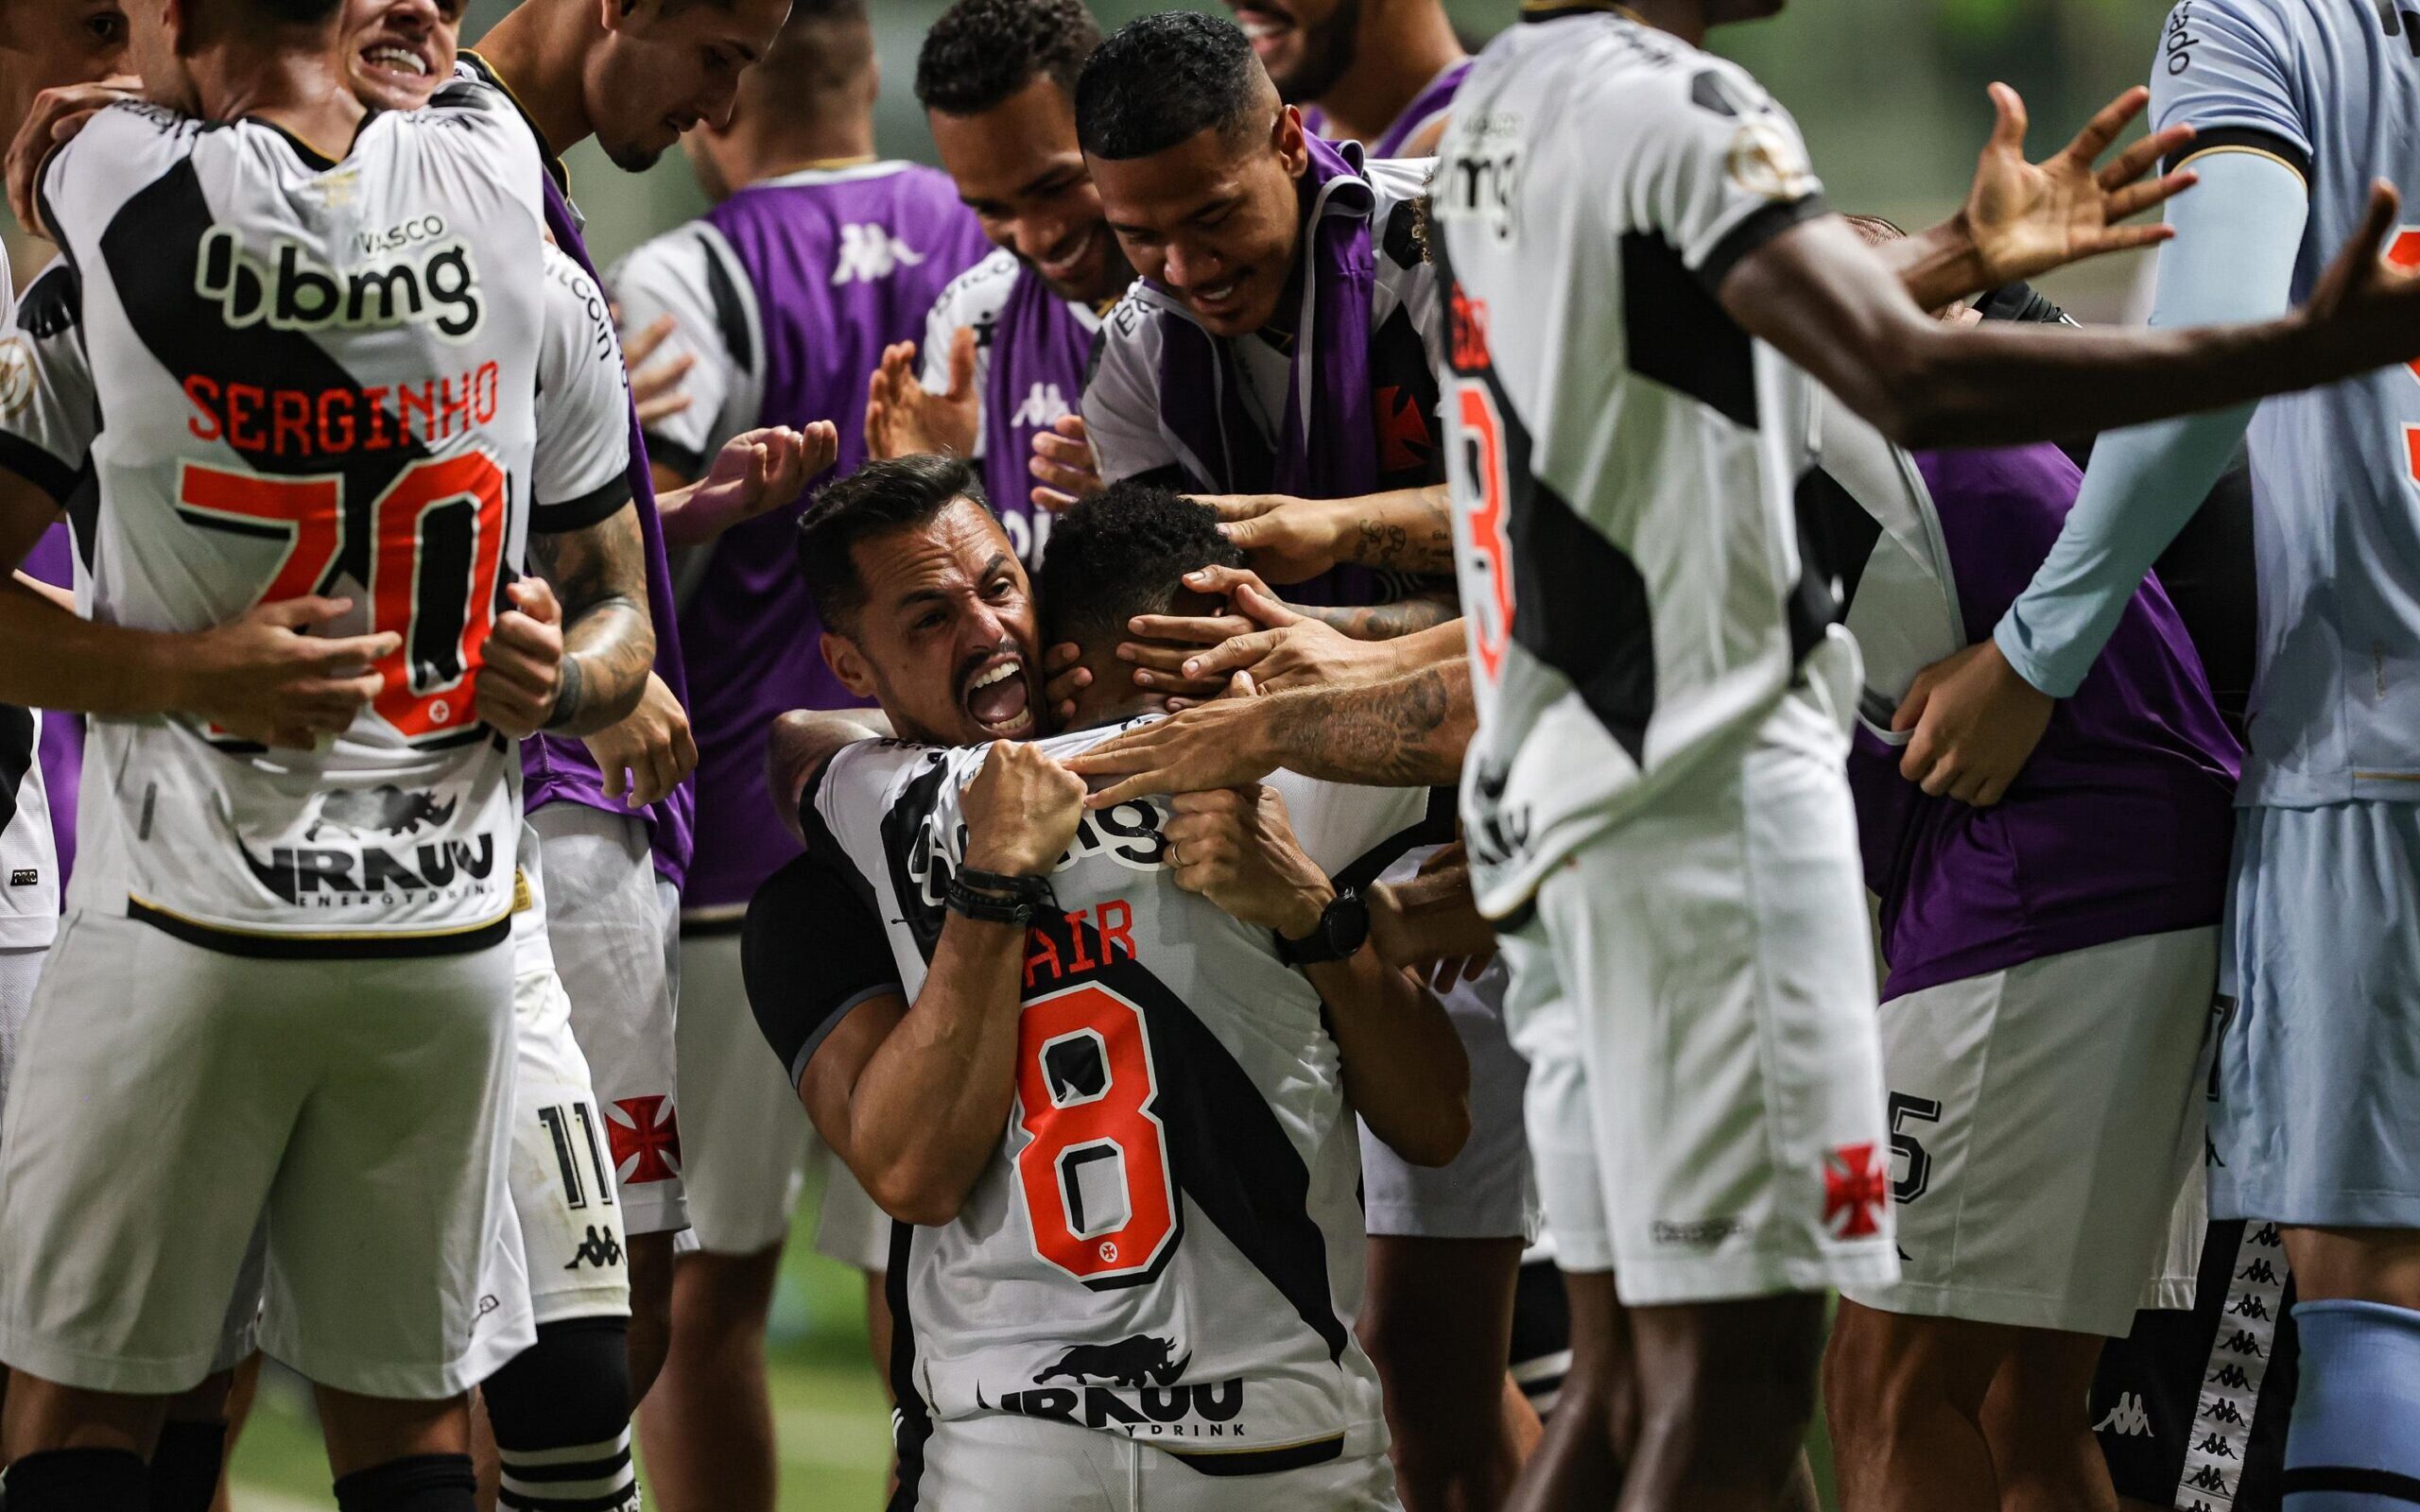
{"points": [[1344, 924]]}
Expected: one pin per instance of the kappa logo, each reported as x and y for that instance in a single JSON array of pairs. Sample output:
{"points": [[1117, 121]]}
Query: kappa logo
{"points": [[2215, 1447], [2260, 1271], [2126, 1418], [2224, 1412], [2232, 1377], [2241, 1342], [2208, 1478], [1044, 406], [646, 1136], [602, 1251], [869, 253], [2250, 1306]]}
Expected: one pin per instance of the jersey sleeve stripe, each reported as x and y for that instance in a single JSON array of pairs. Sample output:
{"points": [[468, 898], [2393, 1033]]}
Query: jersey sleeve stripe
{"points": [[1753, 232], [2253, 139], [593, 507], [731, 311], [39, 468]]}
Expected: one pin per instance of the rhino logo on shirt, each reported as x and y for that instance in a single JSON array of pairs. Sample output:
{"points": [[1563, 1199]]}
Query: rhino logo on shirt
{"points": [[385, 809], [1136, 1362]]}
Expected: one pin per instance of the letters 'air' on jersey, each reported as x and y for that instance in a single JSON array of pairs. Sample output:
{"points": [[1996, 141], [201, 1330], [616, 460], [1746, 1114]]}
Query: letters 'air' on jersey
{"points": [[1623, 456], [318, 377], [1168, 1243]]}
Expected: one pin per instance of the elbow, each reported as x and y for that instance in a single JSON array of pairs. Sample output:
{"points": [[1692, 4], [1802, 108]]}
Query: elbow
{"points": [[925, 1199], [1439, 1136]]}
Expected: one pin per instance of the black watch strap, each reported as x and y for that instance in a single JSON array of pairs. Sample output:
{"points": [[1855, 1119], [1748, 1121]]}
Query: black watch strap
{"points": [[998, 898], [1344, 924]]}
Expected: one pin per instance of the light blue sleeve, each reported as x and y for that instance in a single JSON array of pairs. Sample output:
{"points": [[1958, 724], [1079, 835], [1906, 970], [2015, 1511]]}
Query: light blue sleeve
{"points": [[2237, 234]]}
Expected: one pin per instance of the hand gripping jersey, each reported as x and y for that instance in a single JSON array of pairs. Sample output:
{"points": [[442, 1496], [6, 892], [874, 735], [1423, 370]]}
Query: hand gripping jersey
{"points": [[318, 376], [1031, 350], [1625, 456], [28, 854], [2331, 90], [787, 293], [1169, 1244]]}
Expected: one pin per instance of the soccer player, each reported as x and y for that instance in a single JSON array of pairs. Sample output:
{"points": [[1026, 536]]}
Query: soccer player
{"points": [[1157, 1134], [250, 888], [1283, 336], [817, 256], [2290, 102], [1379, 72], [615, 815], [1007, 347], [2051, 964]]}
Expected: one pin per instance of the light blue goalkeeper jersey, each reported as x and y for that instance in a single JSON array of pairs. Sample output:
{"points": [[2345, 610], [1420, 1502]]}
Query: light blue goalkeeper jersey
{"points": [[2331, 88]]}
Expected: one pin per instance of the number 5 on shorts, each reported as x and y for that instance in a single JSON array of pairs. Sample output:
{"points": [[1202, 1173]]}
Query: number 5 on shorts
{"points": [[1094, 1174]]}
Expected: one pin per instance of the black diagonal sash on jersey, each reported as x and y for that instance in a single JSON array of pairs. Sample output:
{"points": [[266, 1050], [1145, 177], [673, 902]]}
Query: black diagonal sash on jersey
{"points": [[150, 250], [1229, 1155]]}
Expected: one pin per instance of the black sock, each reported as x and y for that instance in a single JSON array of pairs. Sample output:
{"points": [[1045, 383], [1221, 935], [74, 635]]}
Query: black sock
{"points": [[562, 1415], [417, 1483], [184, 1469], [77, 1480]]}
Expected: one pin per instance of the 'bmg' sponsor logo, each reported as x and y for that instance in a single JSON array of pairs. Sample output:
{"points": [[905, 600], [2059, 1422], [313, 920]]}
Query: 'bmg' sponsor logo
{"points": [[297, 292]]}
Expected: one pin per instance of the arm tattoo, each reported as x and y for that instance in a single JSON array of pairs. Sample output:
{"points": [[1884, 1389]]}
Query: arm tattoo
{"points": [[1408, 731], [599, 573], [1413, 536], [1385, 622]]}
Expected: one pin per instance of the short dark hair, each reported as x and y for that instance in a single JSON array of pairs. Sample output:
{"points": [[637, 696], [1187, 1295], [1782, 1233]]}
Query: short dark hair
{"points": [[1163, 79], [876, 498], [295, 12], [825, 45], [1119, 554], [982, 51]]}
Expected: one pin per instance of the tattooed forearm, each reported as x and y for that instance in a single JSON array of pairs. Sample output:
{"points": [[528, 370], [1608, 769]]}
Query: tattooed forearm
{"points": [[1408, 731], [1384, 621], [1409, 531], [599, 575]]}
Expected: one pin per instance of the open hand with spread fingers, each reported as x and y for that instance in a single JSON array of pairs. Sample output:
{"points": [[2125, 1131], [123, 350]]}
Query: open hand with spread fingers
{"points": [[2026, 218], [1260, 635], [906, 418]]}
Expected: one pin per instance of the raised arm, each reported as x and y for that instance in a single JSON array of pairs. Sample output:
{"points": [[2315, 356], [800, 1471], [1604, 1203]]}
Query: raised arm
{"points": [[598, 572], [914, 1099]]}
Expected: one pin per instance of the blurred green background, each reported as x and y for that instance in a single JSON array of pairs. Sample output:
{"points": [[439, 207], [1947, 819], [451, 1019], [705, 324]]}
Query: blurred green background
{"points": [[1890, 94]]}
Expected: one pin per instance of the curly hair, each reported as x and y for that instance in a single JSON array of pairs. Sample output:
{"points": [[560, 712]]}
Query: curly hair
{"points": [[982, 51]]}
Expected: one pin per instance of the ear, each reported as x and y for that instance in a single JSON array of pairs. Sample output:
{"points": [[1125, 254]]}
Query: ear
{"points": [[622, 15], [847, 663], [178, 21], [1291, 143]]}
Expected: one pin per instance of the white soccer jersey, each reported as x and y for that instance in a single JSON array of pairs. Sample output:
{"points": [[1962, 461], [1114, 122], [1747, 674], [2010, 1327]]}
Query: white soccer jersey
{"points": [[318, 377], [1168, 1241], [974, 299], [1624, 455], [580, 470], [29, 853]]}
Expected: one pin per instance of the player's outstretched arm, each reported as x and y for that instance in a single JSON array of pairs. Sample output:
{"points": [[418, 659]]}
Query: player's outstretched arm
{"points": [[1279, 646], [917, 1110], [1407, 732], [1817, 293], [598, 572], [755, 473], [1404, 1069], [1287, 541]]}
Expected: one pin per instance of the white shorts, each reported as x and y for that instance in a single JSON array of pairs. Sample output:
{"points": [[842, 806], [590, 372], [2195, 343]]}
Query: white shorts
{"points": [[1487, 1190], [748, 1140], [564, 1190], [172, 1102], [1718, 1079], [2046, 1122], [19, 971], [1005, 1463], [614, 927]]}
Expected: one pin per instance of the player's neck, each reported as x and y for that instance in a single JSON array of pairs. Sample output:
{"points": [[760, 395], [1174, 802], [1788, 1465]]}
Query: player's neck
{"points": [[1684, 19], [830, 140], [1401, 49], [1111, 698], [539, 50], [304, 93]]}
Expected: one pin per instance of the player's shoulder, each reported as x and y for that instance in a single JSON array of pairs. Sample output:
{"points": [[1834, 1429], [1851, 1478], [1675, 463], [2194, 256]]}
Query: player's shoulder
{"points": [[977, 296], [125, 148], [679, 258], [574, 302]]}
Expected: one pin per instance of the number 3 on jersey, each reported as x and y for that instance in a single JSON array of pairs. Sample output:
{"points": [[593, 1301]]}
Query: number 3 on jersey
{"points": [[437, 550], [1094, 1172], [1488, 545]]}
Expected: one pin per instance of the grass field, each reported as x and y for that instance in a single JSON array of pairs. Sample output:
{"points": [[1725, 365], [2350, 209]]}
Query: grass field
{"points": [[833, 1427]]}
